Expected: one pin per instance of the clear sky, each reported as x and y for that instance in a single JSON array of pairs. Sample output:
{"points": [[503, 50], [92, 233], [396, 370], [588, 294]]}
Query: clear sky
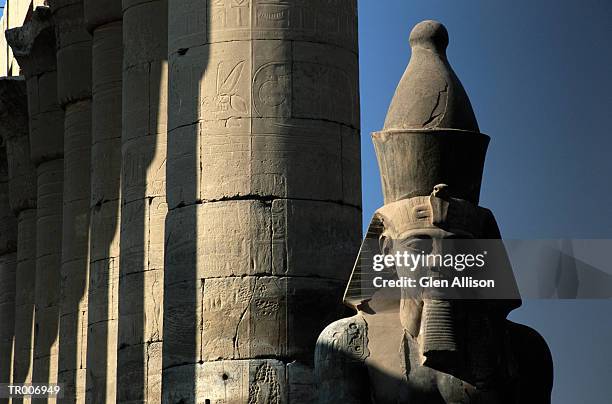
{"points": [[539, 77]]}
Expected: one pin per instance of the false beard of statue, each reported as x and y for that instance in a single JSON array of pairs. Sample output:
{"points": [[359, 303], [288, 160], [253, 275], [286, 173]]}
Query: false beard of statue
{"points": [[456, 337]]}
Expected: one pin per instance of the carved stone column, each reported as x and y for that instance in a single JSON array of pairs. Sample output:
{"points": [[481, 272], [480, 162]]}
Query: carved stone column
{"points": [[8, 239], [143, 200], [34, 47], [22, 200], [264, 193], [74, 91], [103, 18]]}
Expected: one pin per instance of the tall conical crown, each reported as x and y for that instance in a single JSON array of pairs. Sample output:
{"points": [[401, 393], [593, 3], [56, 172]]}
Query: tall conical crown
{"points": [[431, 135]]}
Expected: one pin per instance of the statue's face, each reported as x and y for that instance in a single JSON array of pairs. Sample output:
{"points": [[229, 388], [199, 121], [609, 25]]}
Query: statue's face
{"points": [[423, 240]]}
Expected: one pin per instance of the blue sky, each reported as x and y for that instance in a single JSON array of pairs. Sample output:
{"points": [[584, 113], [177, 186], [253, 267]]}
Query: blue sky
{"points": [[538, 75]]}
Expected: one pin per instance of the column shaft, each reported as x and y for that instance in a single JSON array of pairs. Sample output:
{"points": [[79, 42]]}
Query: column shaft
{"points": [[34, 47], [74, 91], [143, 201], [8, 263], [22, 200], [104, 22], [264, 197]]}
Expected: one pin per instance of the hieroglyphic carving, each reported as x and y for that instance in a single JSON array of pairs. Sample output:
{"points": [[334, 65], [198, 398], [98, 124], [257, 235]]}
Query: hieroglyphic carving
{"points": [[230, 14], [272, 90], [224, 100], [328, 21], [265, 389]]}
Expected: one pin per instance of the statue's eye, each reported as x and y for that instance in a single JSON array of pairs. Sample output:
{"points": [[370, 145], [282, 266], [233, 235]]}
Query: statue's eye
{"points": [[418, 245]]}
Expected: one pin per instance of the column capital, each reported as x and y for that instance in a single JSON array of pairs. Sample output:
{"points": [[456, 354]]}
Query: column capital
{"points": [[33, 44]]}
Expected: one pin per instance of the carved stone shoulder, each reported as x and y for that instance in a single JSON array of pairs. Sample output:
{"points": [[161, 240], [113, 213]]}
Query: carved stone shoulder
{"points": [[533, 364], [346, 338], [341, 350]]}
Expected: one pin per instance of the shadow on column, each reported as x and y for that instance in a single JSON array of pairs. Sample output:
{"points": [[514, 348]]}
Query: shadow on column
{"points": [[104, 19], [188, 58], [144, 207]]}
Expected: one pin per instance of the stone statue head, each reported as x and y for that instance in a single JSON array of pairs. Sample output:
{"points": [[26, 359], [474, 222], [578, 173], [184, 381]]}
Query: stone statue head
{"points": [[431, 157]]}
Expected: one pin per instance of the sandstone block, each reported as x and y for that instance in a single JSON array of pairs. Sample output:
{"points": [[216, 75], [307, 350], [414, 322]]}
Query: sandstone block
{"points": [[239, 80], [8, 264], [193, 23], [145, 295], [268, 239], [144, 168], [248, 317], [145, 36]]}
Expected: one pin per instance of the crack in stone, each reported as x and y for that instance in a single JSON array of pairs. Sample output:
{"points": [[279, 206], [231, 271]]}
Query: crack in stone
{"points": [[235, 339], [433, 115]]}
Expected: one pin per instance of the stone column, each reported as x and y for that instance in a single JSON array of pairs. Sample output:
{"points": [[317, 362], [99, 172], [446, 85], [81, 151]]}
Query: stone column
{"points": [[22, 199], [34, 47], [143, 200], [8, 236], [74, 92], [264, 197], [103, 18]]}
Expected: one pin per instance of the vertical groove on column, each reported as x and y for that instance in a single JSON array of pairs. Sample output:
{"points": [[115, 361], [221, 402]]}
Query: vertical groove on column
{"points": [[144, 201], [34, 47], [264, 194], [104, 21], [74, 93]]}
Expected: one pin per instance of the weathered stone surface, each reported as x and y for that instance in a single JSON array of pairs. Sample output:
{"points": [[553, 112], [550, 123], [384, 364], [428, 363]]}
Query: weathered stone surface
{"points": [[263, 183], [317, 21], [34, 47], [103, 19], [144, 206], [256, 381], [8, 263], [33, 44], [131, 362], [8, 221], [75, 247], [285, 161], [74, 50], [46, 118], [15, 132], [268, 239], [429, 95], [144, 163], [17, 271], [261, 106], [48, 265], [427, 347], [248, 317], [24, 300]]}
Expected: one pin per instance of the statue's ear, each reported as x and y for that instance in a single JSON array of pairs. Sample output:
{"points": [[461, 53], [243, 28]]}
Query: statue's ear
{"points": [[358, 289]]}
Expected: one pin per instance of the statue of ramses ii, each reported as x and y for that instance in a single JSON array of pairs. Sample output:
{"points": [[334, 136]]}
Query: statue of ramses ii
{"points": [[426, 348]]}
